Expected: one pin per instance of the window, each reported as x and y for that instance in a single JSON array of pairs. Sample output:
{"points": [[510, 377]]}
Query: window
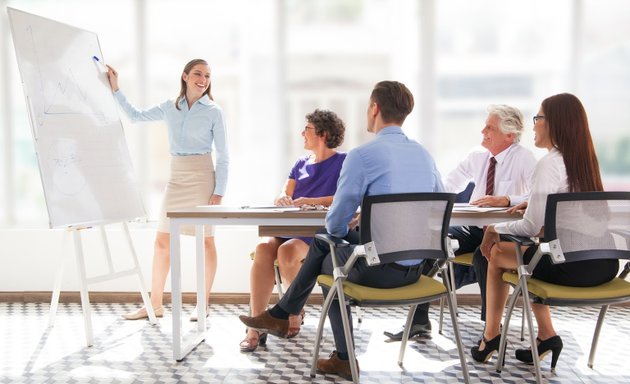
{"points": [[273, 61]]}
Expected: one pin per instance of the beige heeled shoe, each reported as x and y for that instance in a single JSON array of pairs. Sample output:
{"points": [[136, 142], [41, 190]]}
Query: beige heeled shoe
{"points": [[250, 344], [142, 314]]}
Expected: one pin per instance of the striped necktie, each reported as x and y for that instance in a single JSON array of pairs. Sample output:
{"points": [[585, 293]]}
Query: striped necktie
{"points": [[490, 177]]}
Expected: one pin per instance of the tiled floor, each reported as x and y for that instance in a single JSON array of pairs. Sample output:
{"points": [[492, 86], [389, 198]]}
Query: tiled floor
{"points": [[135, 351]]}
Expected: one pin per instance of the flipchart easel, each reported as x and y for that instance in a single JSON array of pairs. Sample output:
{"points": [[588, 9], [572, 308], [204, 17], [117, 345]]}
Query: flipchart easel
{"points": [[85, 166], [85, 281]]}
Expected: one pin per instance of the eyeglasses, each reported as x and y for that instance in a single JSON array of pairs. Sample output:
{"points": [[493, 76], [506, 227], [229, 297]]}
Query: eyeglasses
{"points": [[538, 117], [306, 128]]}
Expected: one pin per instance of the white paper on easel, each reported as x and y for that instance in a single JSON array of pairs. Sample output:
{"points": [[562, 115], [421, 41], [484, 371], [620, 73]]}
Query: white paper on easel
{"points": [[82, 153]]}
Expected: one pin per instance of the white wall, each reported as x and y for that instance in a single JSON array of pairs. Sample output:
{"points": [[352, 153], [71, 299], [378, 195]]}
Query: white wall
{"points": [[29, 258]]}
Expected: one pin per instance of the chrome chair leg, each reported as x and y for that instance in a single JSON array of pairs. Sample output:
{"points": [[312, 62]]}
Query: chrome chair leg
{"points": [[506, 325], [598, 328], [354, 369], [320, 329], [532, 335], [405, 336], [278, 282], [452, 306]]}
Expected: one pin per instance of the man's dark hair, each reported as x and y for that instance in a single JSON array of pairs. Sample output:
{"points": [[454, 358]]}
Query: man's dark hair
{"points": [[394, 100]]}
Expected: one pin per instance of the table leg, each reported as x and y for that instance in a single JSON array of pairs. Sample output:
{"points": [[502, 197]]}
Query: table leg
{"points": [[182, 347]]}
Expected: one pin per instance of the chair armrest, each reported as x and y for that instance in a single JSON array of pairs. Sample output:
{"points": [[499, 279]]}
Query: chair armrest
{"points": [[520, 240], [332, 240], [625, 271], [337, 243]]}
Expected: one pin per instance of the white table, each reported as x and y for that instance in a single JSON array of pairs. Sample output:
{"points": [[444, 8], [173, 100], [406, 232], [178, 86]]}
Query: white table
{"points": [[270, 222]]}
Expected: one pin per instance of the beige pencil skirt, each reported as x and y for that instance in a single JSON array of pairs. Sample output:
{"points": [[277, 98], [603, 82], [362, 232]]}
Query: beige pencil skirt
{"points": [[191, 183]]}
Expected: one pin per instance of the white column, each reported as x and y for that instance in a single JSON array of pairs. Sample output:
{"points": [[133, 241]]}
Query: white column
{"points": [[426, 101], [6, 108], [280, 59], [142, 158], [576, 40]]}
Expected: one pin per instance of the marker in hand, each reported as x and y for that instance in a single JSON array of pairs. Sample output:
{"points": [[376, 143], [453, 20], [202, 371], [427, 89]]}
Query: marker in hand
{"points": [[112, 75], [96, 59]]}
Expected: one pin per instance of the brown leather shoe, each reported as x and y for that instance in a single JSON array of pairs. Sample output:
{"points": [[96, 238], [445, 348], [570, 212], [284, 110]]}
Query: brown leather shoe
{"points": [[334, 365], [267, 323]]}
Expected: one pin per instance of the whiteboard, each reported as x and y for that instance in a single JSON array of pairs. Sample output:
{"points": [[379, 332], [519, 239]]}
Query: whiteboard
{"points": [[83, 158]]}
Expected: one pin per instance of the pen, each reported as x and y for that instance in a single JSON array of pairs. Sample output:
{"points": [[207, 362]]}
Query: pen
{"points": [[99, 61]]}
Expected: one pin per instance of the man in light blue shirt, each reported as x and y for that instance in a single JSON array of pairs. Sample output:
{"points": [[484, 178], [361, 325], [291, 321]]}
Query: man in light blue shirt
{"points": [[391, 163]]}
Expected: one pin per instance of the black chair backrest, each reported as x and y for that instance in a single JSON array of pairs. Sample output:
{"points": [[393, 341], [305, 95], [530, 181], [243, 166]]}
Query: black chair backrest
{"points": [[589, 225], [407, 226]]}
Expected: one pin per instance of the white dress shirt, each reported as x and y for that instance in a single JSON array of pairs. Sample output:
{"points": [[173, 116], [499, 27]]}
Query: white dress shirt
{"points": [[550, 176], [512, 173]]}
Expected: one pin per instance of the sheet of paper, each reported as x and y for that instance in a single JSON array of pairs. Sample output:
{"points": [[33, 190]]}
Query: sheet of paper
{"points": [[475, 208], [272, 207]]}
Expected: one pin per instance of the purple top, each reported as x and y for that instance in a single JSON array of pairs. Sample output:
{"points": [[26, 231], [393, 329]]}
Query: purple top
{"points": [[316, 179]]}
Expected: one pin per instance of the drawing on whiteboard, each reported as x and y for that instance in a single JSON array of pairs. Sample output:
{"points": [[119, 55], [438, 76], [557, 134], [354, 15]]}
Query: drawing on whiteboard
{"points": [[84, 162], [67, 173], [64, 89]]}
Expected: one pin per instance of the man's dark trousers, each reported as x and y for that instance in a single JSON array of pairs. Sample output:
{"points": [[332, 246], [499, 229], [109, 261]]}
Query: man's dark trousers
{"points": [[318, 261], [469, 239]]}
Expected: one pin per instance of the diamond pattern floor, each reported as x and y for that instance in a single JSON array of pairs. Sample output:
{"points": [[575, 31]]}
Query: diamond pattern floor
{"points": [[136, 352]]}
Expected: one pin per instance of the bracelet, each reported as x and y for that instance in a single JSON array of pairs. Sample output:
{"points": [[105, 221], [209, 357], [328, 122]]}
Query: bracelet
{"points": [[509, 201]]}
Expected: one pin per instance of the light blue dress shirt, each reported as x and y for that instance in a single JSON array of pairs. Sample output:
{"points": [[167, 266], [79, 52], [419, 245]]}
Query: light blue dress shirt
{"points": [[190, 131], [391, 163]]}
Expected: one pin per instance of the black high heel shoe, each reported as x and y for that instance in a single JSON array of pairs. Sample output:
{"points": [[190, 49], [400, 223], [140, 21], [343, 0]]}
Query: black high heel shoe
{"points": [[484, 355], [249, 344], [552, 344]]}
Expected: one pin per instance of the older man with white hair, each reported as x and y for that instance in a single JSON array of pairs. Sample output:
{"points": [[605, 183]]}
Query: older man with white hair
{"points": [[501, 175]]}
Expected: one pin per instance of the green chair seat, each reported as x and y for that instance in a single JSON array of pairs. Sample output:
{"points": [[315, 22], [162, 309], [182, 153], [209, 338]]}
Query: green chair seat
{"points": [[464, 259], [579, 226], [616, 288], [398, 226], [425, 287]]}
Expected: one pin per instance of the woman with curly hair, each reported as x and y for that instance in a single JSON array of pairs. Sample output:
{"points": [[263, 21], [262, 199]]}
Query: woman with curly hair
{"points": [[311, 181]]}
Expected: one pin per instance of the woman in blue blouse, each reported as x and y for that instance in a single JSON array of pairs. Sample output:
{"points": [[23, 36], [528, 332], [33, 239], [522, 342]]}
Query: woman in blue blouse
{"points": [[195, 124]]}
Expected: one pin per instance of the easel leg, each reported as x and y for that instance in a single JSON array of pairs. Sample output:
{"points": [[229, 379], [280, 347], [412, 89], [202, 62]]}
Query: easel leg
{"points": [[143, 287], [85, 298], [54, 301]]}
